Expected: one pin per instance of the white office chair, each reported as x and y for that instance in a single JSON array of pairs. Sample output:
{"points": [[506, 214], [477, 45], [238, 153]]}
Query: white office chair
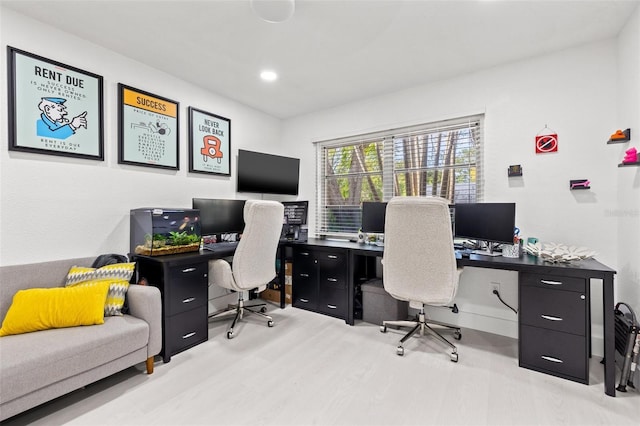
{"points": [[419, 263], [253, 264]]}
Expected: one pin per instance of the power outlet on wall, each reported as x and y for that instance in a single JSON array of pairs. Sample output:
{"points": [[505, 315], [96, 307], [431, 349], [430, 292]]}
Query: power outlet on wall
{"points": [[495, 287]]}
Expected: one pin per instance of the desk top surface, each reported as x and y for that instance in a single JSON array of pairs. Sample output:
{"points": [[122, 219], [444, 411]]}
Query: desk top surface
{"points": [[526, 263]]}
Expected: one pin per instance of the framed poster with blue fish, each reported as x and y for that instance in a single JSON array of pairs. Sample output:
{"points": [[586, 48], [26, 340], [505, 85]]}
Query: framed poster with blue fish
{"points": [[54, 108], [148, 129]]}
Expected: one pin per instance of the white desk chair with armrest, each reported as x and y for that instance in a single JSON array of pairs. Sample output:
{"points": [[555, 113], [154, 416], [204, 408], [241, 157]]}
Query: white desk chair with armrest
{"points": [[254, 260], [419, 263]]}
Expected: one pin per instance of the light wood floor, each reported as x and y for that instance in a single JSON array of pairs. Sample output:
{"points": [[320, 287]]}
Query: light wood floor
{"points": [[314, 370]]}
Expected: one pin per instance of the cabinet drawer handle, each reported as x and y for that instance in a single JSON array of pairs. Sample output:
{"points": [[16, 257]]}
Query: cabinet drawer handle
{"points": [[552, 359], [304, 253], [186, 336], [549, 282], [304, 300], [333, 280], [304, 275], [188, 300], [332, 256], [550, 318], [187, 270], [332, 307]]}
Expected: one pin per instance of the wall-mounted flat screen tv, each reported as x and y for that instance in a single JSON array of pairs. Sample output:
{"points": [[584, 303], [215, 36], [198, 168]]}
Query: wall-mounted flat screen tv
{"points": [[267, 173]]}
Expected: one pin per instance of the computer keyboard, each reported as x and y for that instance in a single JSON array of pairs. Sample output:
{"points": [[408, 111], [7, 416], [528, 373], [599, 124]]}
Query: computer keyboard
{"points": [[221, 246]]}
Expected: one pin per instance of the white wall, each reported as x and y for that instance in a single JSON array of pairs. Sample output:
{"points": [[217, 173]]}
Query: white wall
{"points": [[57, 207], [570, 92]]}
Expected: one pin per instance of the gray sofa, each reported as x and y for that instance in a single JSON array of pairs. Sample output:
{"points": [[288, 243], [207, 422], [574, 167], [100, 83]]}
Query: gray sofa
{"points": [[40, 366]]}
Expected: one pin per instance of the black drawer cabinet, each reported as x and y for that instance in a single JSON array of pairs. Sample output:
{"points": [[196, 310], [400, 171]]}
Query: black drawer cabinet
{"points": [[554, 325], [182, 280], [305, 280], [320, 280], [333, 302], [553, 352], [187, 329]]}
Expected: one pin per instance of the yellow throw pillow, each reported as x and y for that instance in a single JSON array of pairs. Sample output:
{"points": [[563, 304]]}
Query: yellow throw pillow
{"points": [[118, 276], [44, 308]]}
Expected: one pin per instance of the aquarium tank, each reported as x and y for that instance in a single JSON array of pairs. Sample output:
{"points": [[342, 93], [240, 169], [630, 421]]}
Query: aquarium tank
{"points": [[162, 231]]}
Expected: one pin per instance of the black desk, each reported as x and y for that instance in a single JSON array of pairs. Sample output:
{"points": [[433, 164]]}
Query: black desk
{"points": [[584, 269], [185, 305], [527, 267]]}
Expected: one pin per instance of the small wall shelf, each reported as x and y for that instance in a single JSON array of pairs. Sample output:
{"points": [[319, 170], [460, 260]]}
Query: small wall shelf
{"points": [[579, 184], [636, 164], [627, 137]]}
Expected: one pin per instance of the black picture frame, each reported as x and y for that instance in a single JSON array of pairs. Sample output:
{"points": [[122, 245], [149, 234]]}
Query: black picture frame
{"points": [[209, 143], [148, 129], [41, 94]]}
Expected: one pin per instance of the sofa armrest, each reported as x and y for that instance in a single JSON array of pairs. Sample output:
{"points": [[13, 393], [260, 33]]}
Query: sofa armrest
{"points": [[145, 303]]}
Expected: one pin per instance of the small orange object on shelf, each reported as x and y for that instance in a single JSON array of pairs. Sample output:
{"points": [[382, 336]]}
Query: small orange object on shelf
{"points": [[620, 136]]}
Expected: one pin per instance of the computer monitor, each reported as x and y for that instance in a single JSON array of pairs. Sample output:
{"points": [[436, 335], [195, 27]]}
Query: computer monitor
{"points": [[219, 216], [294, 222], [295, 212], [373, 214], [489, 222]]}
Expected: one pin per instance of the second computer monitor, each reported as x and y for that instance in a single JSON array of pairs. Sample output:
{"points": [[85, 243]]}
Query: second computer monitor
{"points": [[491, 222], [219, 216], [373, 214]]}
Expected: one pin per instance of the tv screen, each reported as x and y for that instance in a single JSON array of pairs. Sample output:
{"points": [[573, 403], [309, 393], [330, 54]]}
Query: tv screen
{"points": [[373, 214], [218, 216], [492, 222], [267, 173]]}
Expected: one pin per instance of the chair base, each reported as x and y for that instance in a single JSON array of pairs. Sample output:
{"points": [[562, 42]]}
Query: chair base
{"points": [[420, 324], [239, 311]]}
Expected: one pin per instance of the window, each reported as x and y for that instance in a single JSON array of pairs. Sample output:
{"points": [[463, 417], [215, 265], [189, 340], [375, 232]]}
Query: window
{"points": [[436, 159]]}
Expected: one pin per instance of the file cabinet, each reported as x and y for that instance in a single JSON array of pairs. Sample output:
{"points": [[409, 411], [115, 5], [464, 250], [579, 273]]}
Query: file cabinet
{"points": [[320, 278], [182, 280], [554, 325]]}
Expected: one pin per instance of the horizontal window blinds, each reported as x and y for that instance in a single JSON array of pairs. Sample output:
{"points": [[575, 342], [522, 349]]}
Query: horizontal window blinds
{"points": [[441, 159]]}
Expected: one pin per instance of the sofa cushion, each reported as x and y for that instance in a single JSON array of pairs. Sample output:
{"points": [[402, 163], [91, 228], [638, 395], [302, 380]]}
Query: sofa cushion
{"points": [[43, 308], [34, 360], [118, 276]]}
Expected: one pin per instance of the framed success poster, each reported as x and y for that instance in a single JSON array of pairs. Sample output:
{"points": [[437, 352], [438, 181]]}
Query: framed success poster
{"points": [[148, 129], [209, 143], [54, 108]]}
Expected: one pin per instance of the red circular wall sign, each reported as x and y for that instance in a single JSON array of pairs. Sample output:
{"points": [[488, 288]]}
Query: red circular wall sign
{"points": [[546, 143]]}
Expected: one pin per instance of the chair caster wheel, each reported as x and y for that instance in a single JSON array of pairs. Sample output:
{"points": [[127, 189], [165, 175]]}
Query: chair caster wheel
{"points": [[457, 335], [383, 329], [454, 357], [263, 309], [400, 350], [270, 324], [229, 334]]}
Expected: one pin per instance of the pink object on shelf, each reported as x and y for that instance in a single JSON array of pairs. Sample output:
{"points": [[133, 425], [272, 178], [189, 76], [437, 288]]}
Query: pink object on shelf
{"points": [[631, 156], [583, 184]]}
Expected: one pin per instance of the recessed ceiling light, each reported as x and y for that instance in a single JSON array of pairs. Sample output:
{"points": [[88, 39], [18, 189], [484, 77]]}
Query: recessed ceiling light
{"points": [[273, 11], [268, 75]]}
